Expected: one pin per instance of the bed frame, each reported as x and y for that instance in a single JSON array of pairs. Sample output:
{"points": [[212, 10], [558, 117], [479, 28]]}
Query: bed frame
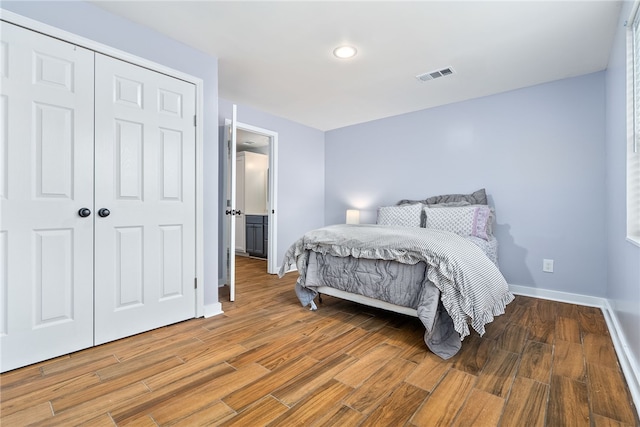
{"points": [[361, 299]]}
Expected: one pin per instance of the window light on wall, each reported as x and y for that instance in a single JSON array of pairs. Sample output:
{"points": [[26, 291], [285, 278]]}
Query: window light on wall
{"points": [[633, 105]]}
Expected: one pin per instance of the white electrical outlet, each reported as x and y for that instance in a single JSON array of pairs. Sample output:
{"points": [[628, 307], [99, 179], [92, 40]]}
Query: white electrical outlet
{"points": [[547, 265]]}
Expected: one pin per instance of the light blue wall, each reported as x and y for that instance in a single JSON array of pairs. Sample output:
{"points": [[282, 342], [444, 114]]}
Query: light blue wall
{"points": [[91, 22], [538, 151], [301, 169], [623, 272], [551, 158]]}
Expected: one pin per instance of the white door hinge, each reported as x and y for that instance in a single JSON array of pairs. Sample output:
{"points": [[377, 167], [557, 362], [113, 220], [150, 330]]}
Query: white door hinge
{"points": [[195, 120], [195, 283]]}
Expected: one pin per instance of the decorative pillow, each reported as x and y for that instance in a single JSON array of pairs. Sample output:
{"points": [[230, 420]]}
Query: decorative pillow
{"points": [[406, 216], [476, 198], [423, 214], [464, 220], [451, 204], [492, 213]]}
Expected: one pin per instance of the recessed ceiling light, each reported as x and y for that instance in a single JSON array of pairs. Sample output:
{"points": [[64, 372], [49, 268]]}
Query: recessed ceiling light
{"points": [[344, 52]]}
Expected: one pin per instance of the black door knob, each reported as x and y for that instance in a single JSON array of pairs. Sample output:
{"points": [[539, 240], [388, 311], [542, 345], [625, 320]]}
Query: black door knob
{"points": [[227, 212], [104, 212], [84, 212]]}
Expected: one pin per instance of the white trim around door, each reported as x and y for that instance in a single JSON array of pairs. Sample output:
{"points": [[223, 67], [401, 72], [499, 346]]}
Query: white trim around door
{"points": [[272, 259]]}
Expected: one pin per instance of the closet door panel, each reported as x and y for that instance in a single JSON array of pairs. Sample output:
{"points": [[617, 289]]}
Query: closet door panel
{"points": [[46, 157], [129, 262], [145, 163], [128, 160]]}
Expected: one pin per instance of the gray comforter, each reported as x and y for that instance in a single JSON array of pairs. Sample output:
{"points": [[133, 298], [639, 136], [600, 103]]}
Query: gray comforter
{"points": [[459, 276]]}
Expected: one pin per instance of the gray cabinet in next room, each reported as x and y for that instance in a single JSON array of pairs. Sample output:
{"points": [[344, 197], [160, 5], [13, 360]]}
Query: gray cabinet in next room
{"points": [[257, 235]]}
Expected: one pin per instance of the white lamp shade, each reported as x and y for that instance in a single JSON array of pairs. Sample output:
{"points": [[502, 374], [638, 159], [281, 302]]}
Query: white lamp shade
{"points": [[353, 216]]}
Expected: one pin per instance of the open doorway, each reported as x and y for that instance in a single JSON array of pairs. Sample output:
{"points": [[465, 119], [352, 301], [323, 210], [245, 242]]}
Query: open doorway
{"points": [[250, 215], [252, 194]]}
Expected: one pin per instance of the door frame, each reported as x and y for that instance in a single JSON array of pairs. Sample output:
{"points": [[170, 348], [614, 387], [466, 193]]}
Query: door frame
{"points": [[272, 267], [75, 39], [272, 259]]}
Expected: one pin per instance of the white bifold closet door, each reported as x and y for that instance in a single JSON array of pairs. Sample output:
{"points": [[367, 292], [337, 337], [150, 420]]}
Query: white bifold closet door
{"points": [[145, 177], [70, 281], [47, 177]]}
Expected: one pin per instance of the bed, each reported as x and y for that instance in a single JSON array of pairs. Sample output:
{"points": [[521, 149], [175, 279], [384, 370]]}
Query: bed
{"points": [[435, 259]]}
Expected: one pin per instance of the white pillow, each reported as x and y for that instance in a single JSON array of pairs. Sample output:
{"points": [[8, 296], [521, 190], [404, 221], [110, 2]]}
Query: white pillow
{"points": [[465, 220], [406, 215]]}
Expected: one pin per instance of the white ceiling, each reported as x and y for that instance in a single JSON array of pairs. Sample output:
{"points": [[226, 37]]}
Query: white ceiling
{"points": [[277, 56], [249, 141]]}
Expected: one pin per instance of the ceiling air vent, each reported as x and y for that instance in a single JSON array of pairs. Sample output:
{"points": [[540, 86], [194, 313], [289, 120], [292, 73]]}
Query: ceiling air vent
{"points": [[435, 74]]}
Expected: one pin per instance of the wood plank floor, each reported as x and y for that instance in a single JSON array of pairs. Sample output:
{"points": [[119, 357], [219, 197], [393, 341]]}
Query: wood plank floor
{"points": [[268, 361]]}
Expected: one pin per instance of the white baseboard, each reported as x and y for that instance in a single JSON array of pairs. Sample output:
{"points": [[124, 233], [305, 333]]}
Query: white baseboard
{"points": [[211, 310], [291, 269], [557, 296], [628, 362]]}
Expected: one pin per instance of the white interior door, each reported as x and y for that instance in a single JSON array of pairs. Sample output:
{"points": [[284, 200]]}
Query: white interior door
{"points": [[145, 178], [46, 178], [232, 201], [241, 209]]}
